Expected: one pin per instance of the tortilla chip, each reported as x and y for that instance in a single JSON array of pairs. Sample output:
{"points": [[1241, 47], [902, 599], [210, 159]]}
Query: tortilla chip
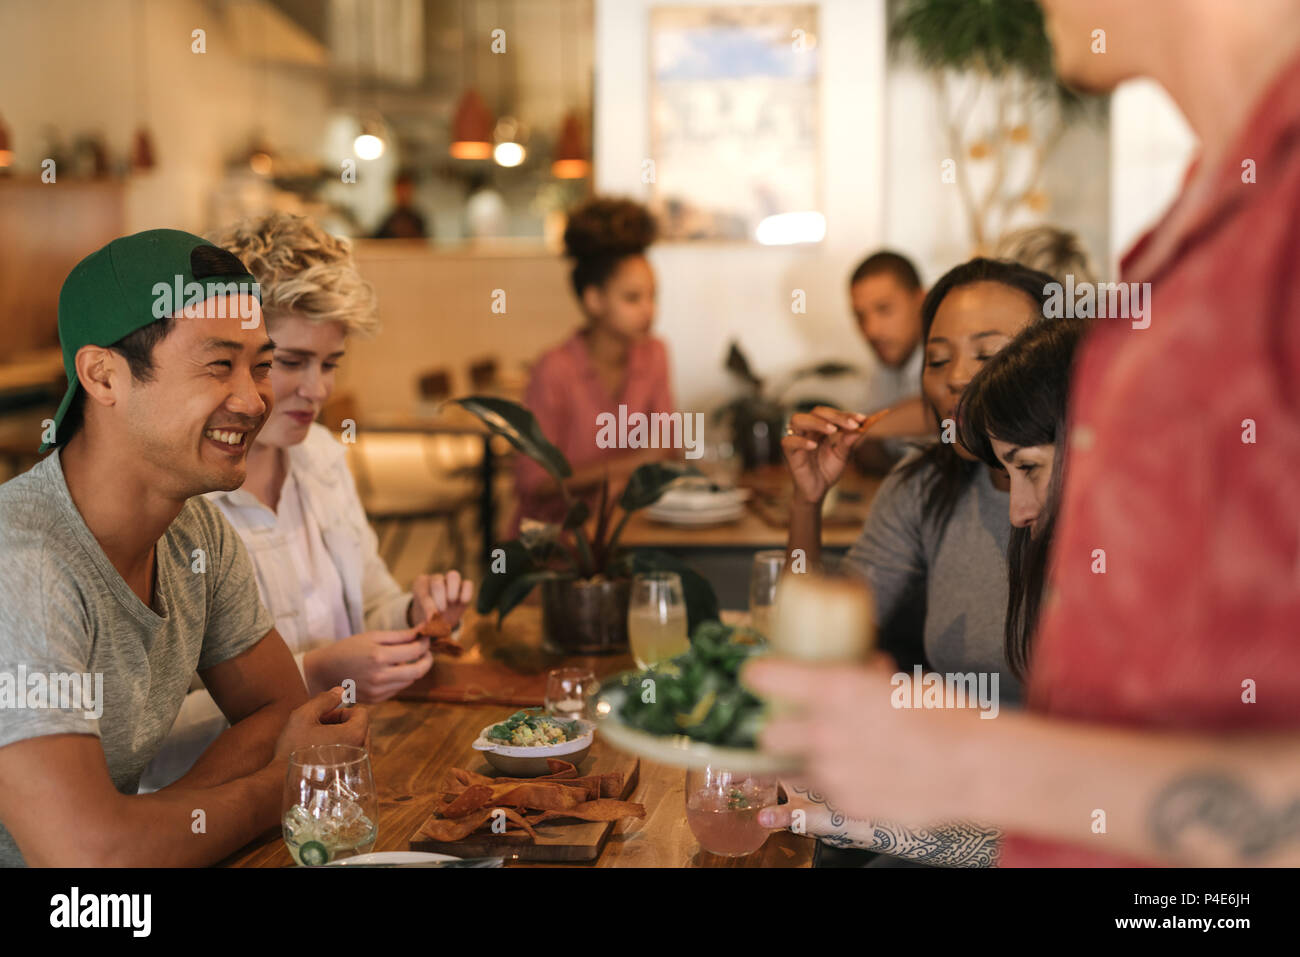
{"points": [[463, 792], [435, 627], [448, 830], [601, 810], [471, 799], [542, 797]]}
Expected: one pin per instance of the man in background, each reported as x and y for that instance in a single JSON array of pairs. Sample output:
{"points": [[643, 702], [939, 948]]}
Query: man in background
{"points": [[405, 221], [885, 293]]}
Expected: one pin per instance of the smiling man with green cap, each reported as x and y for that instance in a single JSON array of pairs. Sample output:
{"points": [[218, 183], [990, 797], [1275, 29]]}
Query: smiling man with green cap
{"points": [[116, 576]]}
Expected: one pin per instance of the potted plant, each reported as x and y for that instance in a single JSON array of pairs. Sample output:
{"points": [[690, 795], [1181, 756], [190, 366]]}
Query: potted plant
{"points": [[758, 416], [996, 54], [585, 578]]}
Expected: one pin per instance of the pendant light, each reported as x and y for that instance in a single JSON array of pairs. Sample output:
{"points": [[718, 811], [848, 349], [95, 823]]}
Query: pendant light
{"points": [[142, 152], [508, 135], [471, 127], [6, 148], [373, 133], [570, 148]]}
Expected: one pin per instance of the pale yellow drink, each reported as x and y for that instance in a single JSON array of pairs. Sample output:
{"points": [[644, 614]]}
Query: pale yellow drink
{"points": [[655, 636]]}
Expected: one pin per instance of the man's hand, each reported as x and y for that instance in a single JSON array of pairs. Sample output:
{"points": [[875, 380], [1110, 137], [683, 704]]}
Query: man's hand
{"points": [[841, 721], [381, 663], [446, 595], [322, 721]]}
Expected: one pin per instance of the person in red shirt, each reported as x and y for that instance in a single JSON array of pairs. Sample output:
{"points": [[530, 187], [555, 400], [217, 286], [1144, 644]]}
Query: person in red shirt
{"points": [[611, 361], [1164, 702]]}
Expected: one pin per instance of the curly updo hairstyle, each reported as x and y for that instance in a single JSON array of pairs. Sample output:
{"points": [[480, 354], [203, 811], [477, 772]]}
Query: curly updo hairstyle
{"points": [[601, 233]]}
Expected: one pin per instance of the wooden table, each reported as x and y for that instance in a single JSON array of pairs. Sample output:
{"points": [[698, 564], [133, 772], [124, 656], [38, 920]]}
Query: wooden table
{"points": [[724, 554], [414, 743]]}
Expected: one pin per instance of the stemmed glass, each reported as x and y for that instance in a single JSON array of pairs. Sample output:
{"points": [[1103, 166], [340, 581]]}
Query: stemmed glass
{"points": [[656, 619], [330, 806], [763, 579], [569, 692]]}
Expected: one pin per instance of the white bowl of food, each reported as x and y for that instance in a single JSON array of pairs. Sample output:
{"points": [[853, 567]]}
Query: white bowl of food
{"points": [[520, 745]]}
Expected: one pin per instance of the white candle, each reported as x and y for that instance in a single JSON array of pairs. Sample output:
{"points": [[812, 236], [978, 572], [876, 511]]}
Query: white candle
{"points": [[822, 620]]}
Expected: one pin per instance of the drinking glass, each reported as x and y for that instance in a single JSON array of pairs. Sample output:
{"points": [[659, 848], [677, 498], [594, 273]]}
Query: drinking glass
{"points": [[569, 692], [330, 805], [656, 618], [722, 809], [763, 579]]}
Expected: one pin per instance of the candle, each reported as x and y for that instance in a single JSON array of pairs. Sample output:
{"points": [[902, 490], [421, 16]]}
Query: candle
{"points": [[823, 620]]}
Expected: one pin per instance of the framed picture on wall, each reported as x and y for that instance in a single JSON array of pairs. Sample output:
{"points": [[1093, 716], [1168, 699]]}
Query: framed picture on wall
{"points": [[735, 123]]}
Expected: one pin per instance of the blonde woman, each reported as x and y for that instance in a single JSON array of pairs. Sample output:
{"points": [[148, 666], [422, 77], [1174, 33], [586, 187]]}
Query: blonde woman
{"points": [[1057, 252], [318, 568]]}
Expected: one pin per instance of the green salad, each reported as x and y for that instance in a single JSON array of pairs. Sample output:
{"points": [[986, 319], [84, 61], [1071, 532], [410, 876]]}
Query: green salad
{"points": [[531, 727], [697, 693]]}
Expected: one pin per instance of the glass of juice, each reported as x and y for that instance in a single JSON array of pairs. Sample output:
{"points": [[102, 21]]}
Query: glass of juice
{"points": [[722, 809], [762, 588], [330, 806], [656, 618]]}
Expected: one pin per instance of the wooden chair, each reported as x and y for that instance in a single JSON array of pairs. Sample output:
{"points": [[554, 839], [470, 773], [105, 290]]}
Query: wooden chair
{"points": [[409, 476], [484, 375]]}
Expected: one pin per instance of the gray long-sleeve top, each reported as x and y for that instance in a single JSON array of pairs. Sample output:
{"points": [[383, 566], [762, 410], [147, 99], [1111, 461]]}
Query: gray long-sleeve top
{"points": [[940, 588]]}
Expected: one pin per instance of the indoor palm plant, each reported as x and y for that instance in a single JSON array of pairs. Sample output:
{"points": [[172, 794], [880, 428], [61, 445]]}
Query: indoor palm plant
{"points": [[997, 53], [585, 576]]}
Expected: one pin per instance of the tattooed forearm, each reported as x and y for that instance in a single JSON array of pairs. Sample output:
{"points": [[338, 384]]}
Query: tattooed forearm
{"points": [[959, 844], [1216, 806]]}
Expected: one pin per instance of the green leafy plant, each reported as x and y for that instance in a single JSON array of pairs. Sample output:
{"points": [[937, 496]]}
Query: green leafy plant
{"points": [[763, 402], [567, 551], [698, 694], [1001, 51]]}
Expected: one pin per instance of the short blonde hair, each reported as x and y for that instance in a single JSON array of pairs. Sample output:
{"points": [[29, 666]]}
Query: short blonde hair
{"points": [[303, 271], [1057, 252]]}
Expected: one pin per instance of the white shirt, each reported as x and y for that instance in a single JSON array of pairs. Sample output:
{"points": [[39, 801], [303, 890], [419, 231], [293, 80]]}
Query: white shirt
{"points": [[325, 617], [888, 385], [321, 526], [338, 535]]}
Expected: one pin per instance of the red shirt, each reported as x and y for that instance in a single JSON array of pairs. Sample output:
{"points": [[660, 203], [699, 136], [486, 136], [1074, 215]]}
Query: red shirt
{"points": [[1200, 529], [566, 395]]}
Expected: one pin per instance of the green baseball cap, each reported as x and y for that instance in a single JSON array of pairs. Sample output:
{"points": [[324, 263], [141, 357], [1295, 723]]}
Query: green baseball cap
{"points": [[135, 281]]}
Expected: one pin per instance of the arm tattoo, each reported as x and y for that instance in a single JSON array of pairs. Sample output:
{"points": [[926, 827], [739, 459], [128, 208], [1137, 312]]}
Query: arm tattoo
{"points": [[957, 844], [1226, 808]]}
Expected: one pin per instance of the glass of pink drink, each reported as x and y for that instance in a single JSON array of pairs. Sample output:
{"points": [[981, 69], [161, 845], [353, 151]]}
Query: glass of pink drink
{"points": [[722, 809]]}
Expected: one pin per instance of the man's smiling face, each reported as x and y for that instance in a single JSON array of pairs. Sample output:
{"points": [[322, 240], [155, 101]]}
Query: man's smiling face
{"points": [[210, 394]]}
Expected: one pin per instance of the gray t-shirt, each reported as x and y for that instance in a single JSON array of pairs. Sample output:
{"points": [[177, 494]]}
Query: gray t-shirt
{"points": [[942, 588], [65, 610]]}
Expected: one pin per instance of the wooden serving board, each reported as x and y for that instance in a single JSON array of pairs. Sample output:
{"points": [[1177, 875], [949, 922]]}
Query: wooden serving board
{"points": [[571, 841], [505, 666]]}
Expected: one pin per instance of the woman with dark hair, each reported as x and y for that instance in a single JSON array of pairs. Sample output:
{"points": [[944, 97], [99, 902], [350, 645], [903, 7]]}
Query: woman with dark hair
{"points": [[934, 546], [611, 361], [1013, 417]]}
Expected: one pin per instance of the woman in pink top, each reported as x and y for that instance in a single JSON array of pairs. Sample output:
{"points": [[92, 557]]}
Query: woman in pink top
{"points": [[611, 362]]}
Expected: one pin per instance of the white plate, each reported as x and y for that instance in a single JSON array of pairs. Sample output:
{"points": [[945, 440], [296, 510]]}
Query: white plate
{"points": [[717, 516], [392, 857], [481, 743], [677, 750], [688, 499]]}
